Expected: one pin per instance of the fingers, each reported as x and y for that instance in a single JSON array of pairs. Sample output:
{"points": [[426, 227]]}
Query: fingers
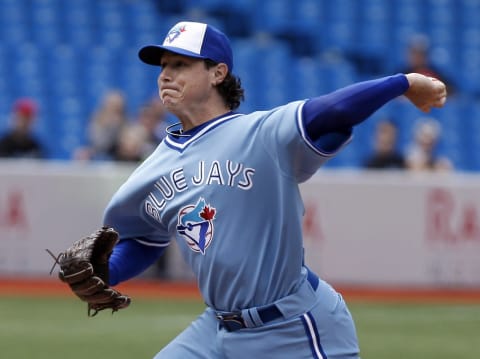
{"points": [[115, 302], [440, 102], [426, 92], [436, 104], [76, 273], [89, 287], [441, 98]]}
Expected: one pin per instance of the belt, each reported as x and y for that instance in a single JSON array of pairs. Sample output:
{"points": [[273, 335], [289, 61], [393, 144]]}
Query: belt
{"points": [[234, 321]]}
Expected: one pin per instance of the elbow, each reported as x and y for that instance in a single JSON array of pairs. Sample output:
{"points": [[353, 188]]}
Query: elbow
{"points": [[340, 112]]}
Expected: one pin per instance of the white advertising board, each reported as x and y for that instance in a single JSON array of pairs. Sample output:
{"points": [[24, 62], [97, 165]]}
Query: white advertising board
{"points": [[49, 205], [389, 229], [394, 229]]}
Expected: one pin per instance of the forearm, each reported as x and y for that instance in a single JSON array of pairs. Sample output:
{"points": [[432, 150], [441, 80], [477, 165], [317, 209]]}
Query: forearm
{"points": [[130, 258], [339, 111]]}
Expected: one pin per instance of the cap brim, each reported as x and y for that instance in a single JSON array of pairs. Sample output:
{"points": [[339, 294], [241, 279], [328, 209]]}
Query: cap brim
{"points": [[152, 54]]}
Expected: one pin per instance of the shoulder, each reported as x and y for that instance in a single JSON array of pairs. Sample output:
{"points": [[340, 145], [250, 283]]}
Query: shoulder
{"points": [[277, 115]]}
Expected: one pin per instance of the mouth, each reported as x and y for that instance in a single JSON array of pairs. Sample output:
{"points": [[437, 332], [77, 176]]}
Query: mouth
{"points": [[168, 90], [167, 94]]}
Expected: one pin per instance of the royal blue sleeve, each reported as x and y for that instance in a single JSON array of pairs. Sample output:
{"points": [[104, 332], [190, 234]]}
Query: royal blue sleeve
{"points": [[130, 258], [340, 110]]}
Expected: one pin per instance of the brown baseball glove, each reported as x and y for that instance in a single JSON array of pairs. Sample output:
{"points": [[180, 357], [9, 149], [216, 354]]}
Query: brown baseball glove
{"points": [[84, 267]]}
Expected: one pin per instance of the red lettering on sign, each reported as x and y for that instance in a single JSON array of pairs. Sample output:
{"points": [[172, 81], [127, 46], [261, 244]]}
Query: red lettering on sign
{"points": [[450, 221], [14, 214], [470, 227], [439, 213]]}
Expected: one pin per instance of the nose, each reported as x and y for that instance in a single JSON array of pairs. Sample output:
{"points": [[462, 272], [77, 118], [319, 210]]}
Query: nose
{"points": [[164, 75], [162, 78]]}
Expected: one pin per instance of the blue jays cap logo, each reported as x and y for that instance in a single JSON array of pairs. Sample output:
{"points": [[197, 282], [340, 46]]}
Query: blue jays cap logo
{"points": [[174, 33], [195, 224]]}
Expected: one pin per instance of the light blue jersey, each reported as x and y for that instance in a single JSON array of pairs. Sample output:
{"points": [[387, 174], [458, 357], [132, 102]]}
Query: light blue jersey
{"points": [[199, 187]]}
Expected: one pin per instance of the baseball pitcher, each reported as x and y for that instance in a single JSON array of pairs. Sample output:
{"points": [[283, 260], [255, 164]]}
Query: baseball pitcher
{"points": [[225, 186]]}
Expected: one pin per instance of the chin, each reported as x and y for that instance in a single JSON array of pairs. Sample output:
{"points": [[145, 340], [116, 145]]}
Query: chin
{"points": [[171, 107], [167, 102]]}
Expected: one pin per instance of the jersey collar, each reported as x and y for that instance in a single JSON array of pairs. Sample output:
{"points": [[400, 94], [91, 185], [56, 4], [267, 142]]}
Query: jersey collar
{"points": [[180, 141]]}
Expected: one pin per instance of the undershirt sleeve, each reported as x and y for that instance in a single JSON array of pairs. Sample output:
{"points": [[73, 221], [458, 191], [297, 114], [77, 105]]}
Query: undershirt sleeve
{"points": [[130, 258], [329, 119]]}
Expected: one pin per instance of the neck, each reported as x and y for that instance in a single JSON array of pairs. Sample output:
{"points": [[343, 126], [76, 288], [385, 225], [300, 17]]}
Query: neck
{"points": [[190, 118]]}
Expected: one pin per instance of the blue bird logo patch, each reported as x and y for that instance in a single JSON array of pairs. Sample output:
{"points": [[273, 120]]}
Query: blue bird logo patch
{"points": [[195, 225], [174, 33]]}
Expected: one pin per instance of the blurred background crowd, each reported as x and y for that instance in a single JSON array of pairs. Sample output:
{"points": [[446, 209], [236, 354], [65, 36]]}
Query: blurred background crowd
{"points": [[72, 87]]}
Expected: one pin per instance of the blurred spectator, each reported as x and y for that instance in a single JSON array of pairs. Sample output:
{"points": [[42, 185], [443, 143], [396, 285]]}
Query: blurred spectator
{"points": [[154, 118], [386, 154], [130, 143], [105, 127], [418, 60], [19, 141], [421, 155], [138, 140], [166, 118]]}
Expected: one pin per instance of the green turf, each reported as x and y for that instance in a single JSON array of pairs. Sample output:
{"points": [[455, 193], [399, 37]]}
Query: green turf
{"points": [[59, 328], [427, 331]]}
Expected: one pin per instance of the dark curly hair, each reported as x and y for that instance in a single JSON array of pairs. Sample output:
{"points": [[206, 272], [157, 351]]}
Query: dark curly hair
{"points": [[230, 89]]}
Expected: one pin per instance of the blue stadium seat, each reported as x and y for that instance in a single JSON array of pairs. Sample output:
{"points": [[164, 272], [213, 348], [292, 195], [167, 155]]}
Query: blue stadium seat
{"points": [[78, 26], [469, 62], [471, 125], [468, 12], [145, 22], [307, 78], [342, 19], [338, 74], [274, 61], [273, 16], [440, 12], [263, 67], [311, 15], [245, 68], [13, 22], [213, 5], [70, 52], [374, 33]]}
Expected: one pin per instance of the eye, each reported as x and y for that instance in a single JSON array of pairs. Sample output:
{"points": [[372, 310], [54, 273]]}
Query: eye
{"points": [[173, 63], [179, 63]]}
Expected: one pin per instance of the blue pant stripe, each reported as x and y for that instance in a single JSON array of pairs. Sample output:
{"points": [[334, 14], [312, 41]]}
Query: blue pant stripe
{"points": [[313, 337]]}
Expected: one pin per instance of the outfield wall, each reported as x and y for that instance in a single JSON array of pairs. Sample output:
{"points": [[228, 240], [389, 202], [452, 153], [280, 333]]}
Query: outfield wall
{"points": [[387, 229], [394, 229]]}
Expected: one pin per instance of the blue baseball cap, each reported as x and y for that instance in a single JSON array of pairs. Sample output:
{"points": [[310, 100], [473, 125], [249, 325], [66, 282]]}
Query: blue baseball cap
{"points": [[192, 39]]}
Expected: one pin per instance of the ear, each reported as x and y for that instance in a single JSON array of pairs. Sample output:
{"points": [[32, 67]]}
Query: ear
{"points": [[220, 71]]}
